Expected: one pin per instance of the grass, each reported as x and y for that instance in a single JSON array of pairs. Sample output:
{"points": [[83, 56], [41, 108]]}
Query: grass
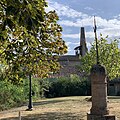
{"points": [[64, 108]]}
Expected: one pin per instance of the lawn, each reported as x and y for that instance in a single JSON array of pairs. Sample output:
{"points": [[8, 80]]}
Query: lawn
{"points": [[64, 108]]}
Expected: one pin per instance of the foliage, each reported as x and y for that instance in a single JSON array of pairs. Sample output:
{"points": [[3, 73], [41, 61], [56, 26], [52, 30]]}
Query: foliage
{"points": [[30, 39], [39, 87], [16, 95], [68, 86], [10, 95], [109, 56]]}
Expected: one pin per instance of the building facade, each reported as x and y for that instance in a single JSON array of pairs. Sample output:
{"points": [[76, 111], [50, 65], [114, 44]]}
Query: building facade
{"points": [[114, 87], [69, 63]]}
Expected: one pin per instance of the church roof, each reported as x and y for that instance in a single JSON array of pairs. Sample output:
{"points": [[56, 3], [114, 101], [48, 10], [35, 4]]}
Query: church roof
{"points": [[69, 57]]}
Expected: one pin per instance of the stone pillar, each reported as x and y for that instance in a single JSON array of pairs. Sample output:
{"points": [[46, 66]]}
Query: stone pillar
{"points": [[99, 109]]}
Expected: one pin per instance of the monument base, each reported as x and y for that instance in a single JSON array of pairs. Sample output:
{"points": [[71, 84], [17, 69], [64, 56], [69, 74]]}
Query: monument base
{"points": [[100, 117]]}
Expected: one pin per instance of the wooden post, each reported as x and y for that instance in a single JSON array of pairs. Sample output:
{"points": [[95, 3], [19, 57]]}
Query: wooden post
{"points": [[19, 115]]}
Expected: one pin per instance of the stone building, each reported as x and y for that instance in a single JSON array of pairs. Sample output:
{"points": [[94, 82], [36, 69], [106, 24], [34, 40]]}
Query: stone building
{"points": [[114, 87], [69, 63]]}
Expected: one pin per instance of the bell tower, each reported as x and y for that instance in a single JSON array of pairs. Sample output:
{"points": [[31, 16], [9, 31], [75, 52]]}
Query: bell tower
{"points": [[82, 49], [83, 46]]}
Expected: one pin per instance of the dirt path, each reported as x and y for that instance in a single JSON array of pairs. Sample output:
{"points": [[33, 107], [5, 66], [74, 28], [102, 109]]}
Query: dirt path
{"points": [[66, 108]]}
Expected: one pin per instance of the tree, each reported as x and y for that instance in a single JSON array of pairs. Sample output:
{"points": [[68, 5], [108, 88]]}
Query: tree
{"points": [[30, 38], [109, 56]]}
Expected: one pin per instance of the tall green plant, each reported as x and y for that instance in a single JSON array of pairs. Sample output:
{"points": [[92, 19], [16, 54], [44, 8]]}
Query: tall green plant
{"points": [[109, 56]]}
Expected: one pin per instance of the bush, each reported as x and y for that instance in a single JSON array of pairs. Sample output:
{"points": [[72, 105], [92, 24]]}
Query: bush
{"points": [[68, 86], [15, 95], [39, 87], [10, 95]]}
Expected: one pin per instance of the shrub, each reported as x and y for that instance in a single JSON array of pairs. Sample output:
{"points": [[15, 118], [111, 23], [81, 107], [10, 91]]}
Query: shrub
{"points": [[15, 95], [68, 86], [10, 95]]}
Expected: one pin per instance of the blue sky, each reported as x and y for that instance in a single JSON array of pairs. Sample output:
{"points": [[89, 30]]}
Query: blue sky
{"points": [[74, 14]]}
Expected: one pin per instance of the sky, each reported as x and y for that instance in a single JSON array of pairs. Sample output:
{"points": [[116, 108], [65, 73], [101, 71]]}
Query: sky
{"points": [[74, 14]]}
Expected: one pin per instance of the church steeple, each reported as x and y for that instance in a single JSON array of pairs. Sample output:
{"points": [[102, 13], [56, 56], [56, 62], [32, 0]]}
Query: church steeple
{"points": [[82, 49], [82, 35], [83, 46]]}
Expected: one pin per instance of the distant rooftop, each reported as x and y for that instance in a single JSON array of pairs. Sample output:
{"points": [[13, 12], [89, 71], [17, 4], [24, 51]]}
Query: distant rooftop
{"points": [[116, 80], [69, 57]]}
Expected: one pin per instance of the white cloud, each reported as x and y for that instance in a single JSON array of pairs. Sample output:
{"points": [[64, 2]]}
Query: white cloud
{"points": [[88, 44], [70, 35], [112, 33], [103, 23], [106, 27], [73, 18], [73, 43], [90, 35], [68, 43], [117, 17], [68, 23], [89, 38], [63, 10]]}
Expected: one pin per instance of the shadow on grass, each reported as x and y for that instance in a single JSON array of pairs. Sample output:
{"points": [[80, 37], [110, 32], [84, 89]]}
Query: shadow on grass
{"points": [[48, 102], [113, 97], [51, 101], [49, 116]]}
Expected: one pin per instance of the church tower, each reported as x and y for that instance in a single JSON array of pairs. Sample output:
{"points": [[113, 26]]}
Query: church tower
{"points": [[82, 49], [83, 46]]}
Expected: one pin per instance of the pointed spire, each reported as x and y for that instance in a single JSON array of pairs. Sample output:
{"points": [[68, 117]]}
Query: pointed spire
{"points": [[82, 49], [82, 36], [83, 42]]}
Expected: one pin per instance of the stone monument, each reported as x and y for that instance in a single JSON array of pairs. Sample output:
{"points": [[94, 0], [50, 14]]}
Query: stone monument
{"points": [[99, 110]]}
